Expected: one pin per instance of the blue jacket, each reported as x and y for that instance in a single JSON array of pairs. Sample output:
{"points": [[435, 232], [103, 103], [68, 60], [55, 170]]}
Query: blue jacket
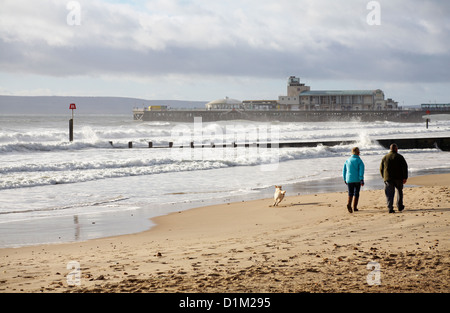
{"points": [[353, 171]]}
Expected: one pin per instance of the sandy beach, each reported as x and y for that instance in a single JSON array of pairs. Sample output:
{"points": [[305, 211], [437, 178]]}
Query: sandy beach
{"points": [[310, 243]]}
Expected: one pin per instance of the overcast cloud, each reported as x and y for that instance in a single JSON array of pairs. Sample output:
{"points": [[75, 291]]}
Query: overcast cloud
{"points": [[246, 43]]}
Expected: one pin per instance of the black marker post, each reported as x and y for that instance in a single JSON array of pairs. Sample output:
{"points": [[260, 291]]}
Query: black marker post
{"points": [[71, 107]]}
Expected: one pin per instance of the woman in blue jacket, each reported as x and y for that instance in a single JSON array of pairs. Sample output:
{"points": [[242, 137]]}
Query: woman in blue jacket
{"points": [[353, 173]]}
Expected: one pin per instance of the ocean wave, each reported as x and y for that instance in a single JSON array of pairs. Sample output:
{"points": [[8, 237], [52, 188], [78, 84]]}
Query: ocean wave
{"points": [[187, 157], [161, 133], [42, 178], [26, 163], [43, 172], [51, 146], [12, 136], [90, 139]]}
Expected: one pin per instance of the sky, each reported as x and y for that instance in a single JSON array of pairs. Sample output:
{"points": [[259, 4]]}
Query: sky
{"points": [[206, 49]]}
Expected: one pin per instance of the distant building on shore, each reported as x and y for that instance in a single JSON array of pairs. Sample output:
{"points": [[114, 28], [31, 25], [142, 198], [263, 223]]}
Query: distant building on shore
{"points": [[301, 97]]}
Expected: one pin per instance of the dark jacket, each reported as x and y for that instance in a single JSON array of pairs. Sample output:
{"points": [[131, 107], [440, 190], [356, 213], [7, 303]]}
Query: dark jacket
{"points": [[393, 166]]}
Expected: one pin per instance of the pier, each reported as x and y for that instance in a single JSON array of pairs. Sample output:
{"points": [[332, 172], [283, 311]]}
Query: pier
{"points": [[281, 115], [442, 143]]}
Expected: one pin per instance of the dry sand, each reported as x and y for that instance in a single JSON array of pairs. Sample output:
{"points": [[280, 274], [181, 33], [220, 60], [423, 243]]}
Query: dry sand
{"points": [[310, 243]]}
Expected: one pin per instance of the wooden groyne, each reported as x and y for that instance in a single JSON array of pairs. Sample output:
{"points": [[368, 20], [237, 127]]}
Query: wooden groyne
{"points": [[442, 143]]}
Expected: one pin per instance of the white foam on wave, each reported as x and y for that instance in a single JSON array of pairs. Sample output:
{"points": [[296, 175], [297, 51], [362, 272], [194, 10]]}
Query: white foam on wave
{"points": [[104, 163]]}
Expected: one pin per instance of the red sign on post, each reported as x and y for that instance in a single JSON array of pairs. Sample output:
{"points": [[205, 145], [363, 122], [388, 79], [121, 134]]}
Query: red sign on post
{"points": [[71, 107]]}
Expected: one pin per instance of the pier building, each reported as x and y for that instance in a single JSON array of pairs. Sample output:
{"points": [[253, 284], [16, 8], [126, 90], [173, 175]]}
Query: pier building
{"points": [[224, 104], [301, 97], [300, 104]]}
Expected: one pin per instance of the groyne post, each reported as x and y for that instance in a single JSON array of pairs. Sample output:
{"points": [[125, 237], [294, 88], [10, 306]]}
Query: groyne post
{"points": [[71, 129], [442, 143]]}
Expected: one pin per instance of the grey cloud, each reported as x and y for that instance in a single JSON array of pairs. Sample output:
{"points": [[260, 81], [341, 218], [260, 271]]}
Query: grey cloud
{"points": [[116, 45], [336, 61]]}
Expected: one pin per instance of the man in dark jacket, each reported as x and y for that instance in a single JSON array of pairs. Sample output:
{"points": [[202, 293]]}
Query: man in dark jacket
{"points": [[394, 171]]}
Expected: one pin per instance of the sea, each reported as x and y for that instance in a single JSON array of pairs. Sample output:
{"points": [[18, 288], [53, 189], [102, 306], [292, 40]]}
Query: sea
{"points": [[53, 190]]}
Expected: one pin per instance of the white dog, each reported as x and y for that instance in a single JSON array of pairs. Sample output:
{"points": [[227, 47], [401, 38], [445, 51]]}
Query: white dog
{"points": [[279, 195]]}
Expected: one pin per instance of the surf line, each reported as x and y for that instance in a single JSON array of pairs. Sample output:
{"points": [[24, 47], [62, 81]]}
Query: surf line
{"points": [[70, 206]]}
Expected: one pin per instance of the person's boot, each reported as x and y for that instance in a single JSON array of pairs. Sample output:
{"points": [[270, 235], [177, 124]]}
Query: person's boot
{"points": [[349, 204], [355, 204]]}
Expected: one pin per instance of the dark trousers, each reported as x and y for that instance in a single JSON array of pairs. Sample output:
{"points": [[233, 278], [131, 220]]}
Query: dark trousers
{"points": [[389, 190], [353, 189]]}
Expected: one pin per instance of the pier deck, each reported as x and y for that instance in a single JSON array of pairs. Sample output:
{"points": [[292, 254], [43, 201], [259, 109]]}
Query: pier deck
{"points": [[281, 116]]}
